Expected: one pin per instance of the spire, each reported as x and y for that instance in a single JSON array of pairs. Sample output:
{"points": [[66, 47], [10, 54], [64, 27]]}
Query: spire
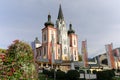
{"points": [[60, 14], [49, 21]]}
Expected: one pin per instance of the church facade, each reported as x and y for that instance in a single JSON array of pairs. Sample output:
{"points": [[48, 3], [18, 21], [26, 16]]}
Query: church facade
{"points": [[58, 45]]}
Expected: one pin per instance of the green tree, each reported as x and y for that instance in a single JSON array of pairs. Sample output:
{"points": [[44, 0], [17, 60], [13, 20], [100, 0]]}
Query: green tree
{"points": [[19, 62], [79, 57], [105, 75], [2, 50]]}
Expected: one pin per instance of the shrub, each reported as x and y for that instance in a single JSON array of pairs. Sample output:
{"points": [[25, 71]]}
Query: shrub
{"points": [[88, 71], [72, 75], [51, 74], [94, 72], [105, 75], [60, 75], [81, 71], [46, 72]]}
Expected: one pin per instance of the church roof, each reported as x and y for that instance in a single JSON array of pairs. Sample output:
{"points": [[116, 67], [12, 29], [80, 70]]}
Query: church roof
{"points": [[70, 29], [49, 21], [60, 14]]}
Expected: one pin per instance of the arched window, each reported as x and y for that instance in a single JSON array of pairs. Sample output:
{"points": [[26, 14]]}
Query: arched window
{"points": [[74, 42], [44, 51], [75, 52], [59, 53], [58, 50], [44, 37], [75, 57], [52, 37]]}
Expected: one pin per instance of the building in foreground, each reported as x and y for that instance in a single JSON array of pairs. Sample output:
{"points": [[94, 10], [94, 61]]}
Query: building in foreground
{"points": [[59, 46]]}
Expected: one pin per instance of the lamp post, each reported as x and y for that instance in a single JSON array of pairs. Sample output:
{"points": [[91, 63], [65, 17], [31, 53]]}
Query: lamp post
{"points": [[89, 71], [54, 73]]}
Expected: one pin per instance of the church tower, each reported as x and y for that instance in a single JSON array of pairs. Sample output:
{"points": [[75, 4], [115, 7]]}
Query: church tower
{"points": [[48, 34], [62, 35], [84, 53], [73, 43]]}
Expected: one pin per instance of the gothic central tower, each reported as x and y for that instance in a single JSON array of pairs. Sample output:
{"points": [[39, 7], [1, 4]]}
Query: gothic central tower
{"points": [[62, 35]]}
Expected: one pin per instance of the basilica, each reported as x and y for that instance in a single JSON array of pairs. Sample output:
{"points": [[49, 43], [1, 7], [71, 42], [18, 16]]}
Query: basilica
{"points": [[59, 45]]}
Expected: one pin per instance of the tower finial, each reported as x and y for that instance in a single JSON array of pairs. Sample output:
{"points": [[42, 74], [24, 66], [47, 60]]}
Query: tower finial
{"points": [[60, 14], [70, 29], [49, 17], [49, 21], [70, 25]]}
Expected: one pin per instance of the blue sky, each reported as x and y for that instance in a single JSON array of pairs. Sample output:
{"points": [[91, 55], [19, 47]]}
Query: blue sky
{"points": [[97, 21]]}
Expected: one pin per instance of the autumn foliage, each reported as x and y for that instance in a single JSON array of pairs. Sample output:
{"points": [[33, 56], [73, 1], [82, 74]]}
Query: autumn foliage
{"points": [[19, 63]]}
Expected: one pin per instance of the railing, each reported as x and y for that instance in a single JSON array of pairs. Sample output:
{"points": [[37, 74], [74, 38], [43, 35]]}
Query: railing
{"points": [[88, 76]]}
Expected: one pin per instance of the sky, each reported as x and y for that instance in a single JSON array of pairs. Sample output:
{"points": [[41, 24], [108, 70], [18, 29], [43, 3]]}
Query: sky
{"points": [[97, 21]]}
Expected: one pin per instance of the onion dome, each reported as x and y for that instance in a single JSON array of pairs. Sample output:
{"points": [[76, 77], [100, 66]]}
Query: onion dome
{"points": [[49, 21], [70, 29], [36, 40]]}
